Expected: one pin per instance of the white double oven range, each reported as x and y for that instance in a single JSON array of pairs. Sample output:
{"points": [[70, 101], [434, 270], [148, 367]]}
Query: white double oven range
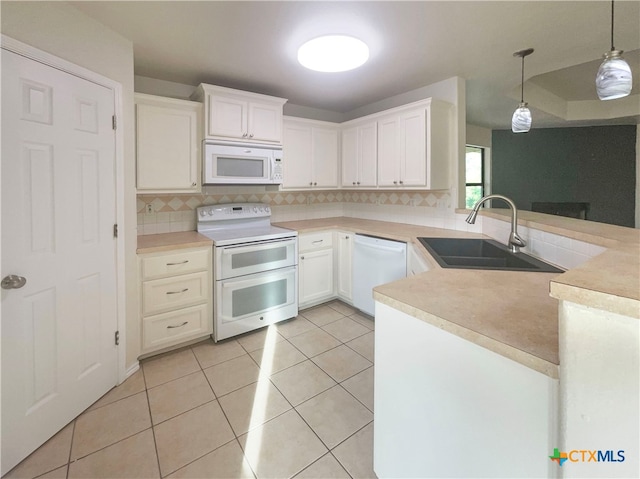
{"points": [[255, 267]]}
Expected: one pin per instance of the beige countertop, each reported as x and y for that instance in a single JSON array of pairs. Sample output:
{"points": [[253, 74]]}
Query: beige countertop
{"points": [[610, 281], [510, 313], [170, 241], [514, 314]]}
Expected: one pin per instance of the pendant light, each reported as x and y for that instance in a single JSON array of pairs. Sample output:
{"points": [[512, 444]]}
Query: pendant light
{"points": [[521, 120], [613, 79]]}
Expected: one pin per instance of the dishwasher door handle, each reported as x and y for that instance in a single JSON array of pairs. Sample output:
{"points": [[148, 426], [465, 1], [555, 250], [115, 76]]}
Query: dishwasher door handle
{"points": [[397, 249]]}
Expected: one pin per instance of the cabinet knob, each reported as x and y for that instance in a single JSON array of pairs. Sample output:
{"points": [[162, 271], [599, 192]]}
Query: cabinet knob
{"points": [[194, 184], [357, 182], [401, 182], [244, 135], [395, 182], [311, 183], [301, 257], [354, 183], [251, 135], [315, 183]]}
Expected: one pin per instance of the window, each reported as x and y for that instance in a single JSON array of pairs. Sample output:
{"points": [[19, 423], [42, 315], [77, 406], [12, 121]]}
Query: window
{"points": [[474, 176]]}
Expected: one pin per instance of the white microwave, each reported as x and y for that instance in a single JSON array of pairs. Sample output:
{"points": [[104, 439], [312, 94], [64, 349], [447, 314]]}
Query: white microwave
{"points": [[226, 164]]}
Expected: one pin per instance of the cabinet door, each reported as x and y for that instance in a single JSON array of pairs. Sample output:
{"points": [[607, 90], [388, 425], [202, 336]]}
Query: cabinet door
{"points": [[368, 155], [325, 157], [227, 117], [413, 148], [297, 156], [345, 247], [350, 157], [265, 122], [315, 270], [167, 147], [388, 152]]}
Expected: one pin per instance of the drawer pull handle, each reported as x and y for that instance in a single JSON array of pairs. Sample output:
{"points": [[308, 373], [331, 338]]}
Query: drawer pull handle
{"points": [[317, 241], [179, 326], [178, 292], [181, 262]]}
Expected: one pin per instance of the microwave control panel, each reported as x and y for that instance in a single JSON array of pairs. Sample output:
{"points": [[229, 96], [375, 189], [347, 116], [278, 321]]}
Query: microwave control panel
{"points": [[277, 169]]}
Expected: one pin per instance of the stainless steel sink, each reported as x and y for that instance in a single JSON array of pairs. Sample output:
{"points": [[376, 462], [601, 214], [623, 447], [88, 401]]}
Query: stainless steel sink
{"points": [[476, 253]]}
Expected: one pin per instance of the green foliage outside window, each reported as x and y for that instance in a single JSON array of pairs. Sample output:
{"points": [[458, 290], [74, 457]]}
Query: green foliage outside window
{"points": [[474, 175]]}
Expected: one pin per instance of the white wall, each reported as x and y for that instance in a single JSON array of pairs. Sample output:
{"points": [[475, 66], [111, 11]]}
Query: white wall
{"points": [[599, 390], [479, 136], [62, 30]]}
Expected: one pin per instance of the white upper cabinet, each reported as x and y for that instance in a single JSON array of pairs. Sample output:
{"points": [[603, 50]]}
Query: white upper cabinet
{"points": [[235, 115], [310, 154], [414, 146], [359, 154], [168, 133]]}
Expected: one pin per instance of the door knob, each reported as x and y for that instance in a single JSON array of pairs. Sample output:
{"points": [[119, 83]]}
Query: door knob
{"points": [[13, 281]]}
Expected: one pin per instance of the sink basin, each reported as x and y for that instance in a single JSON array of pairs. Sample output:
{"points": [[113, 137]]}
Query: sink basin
{"points": [[476, 253]]}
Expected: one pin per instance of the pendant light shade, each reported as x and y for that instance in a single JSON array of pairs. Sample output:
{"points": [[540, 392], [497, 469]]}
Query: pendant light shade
{"points": [[521, 120], [614, 78]]}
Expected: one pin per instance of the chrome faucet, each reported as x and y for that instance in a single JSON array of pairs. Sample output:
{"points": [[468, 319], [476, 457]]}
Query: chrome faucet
{"points": [[515, 242]]}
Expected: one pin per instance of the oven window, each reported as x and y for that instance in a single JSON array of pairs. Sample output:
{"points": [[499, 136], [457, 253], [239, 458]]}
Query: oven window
{"points": [[240, 167], [256, 258], [259, 298]]}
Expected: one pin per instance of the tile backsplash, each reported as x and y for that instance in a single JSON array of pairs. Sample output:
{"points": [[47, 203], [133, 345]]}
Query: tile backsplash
{"points": [[172, 213]]}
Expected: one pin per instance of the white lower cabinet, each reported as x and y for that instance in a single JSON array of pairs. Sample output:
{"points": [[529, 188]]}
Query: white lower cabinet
{"points": [[315, 268], [445, 404], [175, 297], [344, 243]]}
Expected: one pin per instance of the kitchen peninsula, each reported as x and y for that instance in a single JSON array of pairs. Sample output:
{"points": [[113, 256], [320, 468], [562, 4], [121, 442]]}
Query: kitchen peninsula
{"points": [[557, 351]]}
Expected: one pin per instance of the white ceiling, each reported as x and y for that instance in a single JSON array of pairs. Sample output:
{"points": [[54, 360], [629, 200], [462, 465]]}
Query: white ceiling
{"points": [[252, 46]]}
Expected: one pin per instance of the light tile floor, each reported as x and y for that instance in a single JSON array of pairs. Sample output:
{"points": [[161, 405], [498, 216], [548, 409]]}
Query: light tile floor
{"points": [[291, 400]]}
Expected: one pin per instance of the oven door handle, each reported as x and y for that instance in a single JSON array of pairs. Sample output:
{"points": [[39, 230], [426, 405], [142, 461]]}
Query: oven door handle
{"points": [[259, 247]]}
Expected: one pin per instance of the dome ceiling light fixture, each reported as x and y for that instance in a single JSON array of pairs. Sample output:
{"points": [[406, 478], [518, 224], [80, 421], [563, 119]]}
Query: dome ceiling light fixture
{"points": [[521, 120], [613, 79], [333, 53]]}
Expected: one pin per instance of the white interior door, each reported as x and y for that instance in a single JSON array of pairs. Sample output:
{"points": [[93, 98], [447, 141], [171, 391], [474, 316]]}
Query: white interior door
{"points": [[58, 211]]}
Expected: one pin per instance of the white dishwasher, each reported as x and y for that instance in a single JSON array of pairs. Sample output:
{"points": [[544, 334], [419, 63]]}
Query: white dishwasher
{"points": [[376, 261]]}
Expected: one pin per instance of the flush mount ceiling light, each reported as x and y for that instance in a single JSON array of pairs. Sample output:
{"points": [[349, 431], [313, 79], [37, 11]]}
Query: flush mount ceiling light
{"points": [[333, 53], [613, 79], [521, 120]]}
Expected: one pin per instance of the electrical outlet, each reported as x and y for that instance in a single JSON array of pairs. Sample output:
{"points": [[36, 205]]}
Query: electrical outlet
{"points": [[149, 208]]}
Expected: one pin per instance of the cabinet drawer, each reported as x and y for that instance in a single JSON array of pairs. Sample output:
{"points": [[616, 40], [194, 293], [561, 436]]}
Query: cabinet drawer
{"points": [[177, 326], [312, 241], [179, 262], [175, 292]]}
